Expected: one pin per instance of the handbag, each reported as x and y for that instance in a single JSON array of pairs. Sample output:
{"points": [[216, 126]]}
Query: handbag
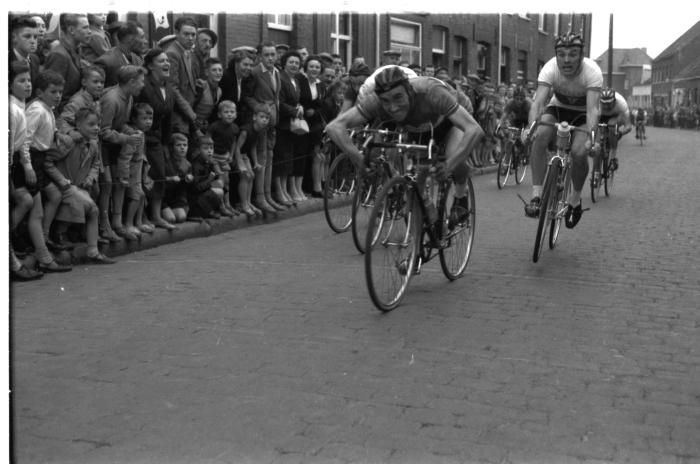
{"points": [[299, 126]]}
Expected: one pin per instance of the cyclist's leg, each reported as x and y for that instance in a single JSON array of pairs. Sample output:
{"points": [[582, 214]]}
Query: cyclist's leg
{"points": [[538, 161]]}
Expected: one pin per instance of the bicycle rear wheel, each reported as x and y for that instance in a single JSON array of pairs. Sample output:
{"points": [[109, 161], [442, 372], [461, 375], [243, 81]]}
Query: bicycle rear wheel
{"points": [[559, 206], [548, 199], [504, 165], [393, 243], [457, 233], [339, 191]]}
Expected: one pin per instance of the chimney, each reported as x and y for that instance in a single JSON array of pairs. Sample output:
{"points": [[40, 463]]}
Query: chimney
{"points": [[644, 50]]}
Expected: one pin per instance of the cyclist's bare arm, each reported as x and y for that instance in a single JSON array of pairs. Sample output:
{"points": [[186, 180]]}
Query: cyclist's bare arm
{"points": [[539, 103], [337, 130], [592, 109], [626, 122], [472, 133]]}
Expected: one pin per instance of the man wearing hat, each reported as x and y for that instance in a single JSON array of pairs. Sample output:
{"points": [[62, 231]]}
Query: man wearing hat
{"points": [[281, 49], [206, 40], [392, 57], [359, 72]]}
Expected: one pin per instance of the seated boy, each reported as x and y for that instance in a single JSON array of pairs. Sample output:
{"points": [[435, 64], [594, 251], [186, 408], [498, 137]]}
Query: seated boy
{"points": [[175, 204], [203, 200], [74, 169]]}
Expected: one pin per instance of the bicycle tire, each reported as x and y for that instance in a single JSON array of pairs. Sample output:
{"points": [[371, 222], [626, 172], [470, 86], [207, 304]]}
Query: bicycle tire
{"points": [[393, 243], [454, 256], [559, 206], [338, 193], [520, 165], [504, 165], [362, 204], [549, 191], [598, 162], [609, 178]]}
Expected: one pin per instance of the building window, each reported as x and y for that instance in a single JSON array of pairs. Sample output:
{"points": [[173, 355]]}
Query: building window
{"points": [[483, 59], [405, 36], [282, 22], [459, 48], [341, 36], [505, 64], [522, 67], [439, 46]]}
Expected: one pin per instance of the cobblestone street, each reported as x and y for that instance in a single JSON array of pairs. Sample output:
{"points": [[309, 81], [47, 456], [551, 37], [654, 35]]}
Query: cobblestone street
{"points": [[261, 345]]}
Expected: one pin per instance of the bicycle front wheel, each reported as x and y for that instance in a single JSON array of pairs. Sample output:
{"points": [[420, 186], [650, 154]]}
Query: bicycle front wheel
{"points": [[339, 191], [550, 197], [520, 165], [392, 245], [559, 206], [609, 178], [363, 202], [596, 180], [458, 227], [505, 165]]}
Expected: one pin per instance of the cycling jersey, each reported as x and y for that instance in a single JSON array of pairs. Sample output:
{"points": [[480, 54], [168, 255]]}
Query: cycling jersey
{"points": [[433, 102], [518, 112], [640, 116], [620, 109], [570, 93]]}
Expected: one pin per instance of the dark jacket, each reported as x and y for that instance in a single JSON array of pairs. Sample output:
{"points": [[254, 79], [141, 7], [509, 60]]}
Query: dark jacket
{"points": [[289, 99], [315, 121]]}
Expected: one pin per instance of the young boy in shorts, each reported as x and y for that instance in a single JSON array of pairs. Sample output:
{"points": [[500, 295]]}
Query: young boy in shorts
{"points": [[248, 162], [224, 133]]}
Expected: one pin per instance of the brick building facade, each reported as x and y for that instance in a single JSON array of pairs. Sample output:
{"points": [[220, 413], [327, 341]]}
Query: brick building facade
{"points": [[464, 43], [675, 72]]}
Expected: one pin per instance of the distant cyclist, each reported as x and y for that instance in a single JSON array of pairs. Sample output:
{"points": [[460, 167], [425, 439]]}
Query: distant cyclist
{"points": [[615, 112], [576, 82], [420, 105], [640, 120], [517, 110]]}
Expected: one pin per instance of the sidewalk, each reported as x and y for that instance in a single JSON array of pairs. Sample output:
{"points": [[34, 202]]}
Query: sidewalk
{"points": [[209, 227]]}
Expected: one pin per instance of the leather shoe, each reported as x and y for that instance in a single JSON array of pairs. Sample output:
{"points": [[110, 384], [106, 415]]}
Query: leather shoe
{"points": [[54, 246], [274, 204], [53, 266], [99, 258], [108, 233], [163, 224], [24, 274], [264, 206], [126, 234]]}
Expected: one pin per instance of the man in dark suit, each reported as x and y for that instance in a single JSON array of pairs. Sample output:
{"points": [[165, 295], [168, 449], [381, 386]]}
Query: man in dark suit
{"points": [[264, 87], [128, 51], [25, 38], [65, 57], [182, 76]]}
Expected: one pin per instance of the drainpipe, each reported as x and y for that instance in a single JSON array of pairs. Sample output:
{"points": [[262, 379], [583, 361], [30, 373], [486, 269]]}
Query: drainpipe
{"points": [[376, 56], [500, 47]]}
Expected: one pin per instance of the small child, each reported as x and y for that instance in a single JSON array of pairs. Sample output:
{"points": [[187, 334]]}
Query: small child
{"points": [[203, 200], [208, 92], [42, 135], [224, 132], [140, 122], [75, 169], [246, 156], [175, 204]]}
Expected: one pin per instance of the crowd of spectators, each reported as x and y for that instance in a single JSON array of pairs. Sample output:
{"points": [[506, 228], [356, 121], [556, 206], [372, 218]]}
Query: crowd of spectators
{"points": [[112, 138], [681, 116]]}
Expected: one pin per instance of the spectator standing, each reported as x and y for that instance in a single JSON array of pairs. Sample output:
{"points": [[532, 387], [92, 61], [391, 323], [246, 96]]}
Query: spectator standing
{"points": [[208, 93], [182, 71], [264, 87], [99, 42], [128, 51], [65, 58], [28, 165], [75, 170], [311, 94], [117, 145], [391, 57], [20, 162], [285, 148], [25, 39], [205, 41], [159, 93], [248, 164], [224, 133], [232, 83]]}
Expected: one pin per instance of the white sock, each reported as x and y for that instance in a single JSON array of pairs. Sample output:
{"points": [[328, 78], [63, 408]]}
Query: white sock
{"points": [[574, 198], [536, 191]]}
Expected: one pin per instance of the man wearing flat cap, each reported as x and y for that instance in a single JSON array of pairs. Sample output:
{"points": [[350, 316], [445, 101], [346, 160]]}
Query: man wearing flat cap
{"points": [[356, 77], [206, 40], [392, 57]]}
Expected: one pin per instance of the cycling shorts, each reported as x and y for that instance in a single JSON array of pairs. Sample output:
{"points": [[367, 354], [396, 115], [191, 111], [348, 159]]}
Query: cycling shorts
{"points": [[573, 117]]}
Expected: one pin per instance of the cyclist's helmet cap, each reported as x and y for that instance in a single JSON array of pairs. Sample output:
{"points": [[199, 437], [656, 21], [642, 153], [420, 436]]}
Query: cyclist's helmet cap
{"points": [[389, 78], [607, 96], [568, 40]]}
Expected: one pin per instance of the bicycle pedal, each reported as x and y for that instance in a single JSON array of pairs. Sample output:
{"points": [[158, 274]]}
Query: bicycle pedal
{"points": [[419, 265]]}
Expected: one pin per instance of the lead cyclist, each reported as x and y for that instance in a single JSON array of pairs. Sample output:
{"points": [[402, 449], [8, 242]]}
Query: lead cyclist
{"points": [[576, 82], [421, 105]]}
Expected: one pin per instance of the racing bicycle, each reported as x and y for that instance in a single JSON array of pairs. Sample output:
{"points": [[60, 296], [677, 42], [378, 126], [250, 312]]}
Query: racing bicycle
{"points": [[514, 157], [602, 174]]}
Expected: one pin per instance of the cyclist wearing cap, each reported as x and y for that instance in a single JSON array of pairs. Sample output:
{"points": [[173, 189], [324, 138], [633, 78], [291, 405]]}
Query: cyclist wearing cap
{"points": [[421, 105], [517, 110], [615, 112], [576, 82]]}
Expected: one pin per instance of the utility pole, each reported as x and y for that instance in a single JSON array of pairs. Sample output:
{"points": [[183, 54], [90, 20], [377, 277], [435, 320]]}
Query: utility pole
{"points": [[610, 53]]}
